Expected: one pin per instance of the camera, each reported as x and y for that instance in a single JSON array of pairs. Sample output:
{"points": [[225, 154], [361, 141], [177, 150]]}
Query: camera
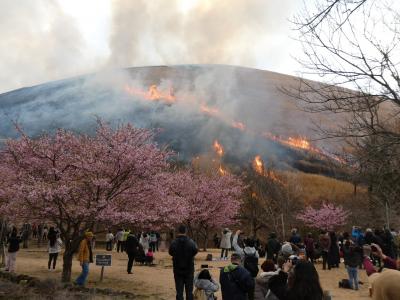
{"points": [[294, 259]]}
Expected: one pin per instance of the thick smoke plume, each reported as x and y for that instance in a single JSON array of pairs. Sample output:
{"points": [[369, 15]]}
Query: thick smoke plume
{"points": [[224, 32], [38, 43]]}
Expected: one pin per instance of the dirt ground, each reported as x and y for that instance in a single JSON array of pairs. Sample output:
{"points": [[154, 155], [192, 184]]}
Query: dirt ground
{"points": [[156, 282]]}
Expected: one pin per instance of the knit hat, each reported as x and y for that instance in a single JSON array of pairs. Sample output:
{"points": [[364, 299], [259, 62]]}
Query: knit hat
{"points": [[287, 249]]}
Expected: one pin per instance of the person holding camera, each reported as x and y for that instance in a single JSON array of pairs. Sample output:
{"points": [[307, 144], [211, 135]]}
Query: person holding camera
{"points": [[249, 256], [298, 280]]}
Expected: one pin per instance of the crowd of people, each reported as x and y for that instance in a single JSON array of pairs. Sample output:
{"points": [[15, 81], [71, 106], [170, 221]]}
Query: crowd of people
{"points": [[287, 272]]}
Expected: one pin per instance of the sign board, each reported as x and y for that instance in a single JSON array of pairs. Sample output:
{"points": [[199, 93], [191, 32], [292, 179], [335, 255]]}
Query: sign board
{"points": [[103, 260]]}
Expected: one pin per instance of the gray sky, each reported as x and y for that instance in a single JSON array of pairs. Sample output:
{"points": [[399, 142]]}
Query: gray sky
{"points": [[44, 40]]}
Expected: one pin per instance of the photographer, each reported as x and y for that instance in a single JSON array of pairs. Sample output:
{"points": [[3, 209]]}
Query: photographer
{"points": [[298, 281], [249, 256]]}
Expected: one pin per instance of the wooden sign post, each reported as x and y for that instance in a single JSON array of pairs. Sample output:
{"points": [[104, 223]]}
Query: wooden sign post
{"points": [[103, 260]]}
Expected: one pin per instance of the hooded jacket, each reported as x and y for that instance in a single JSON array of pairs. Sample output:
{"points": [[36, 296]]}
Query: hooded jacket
{"points": [[261, 285], [243, 251], [209, 286], [235, 282]]}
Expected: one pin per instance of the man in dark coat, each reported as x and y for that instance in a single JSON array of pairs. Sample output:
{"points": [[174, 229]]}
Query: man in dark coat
{"points": [[132, 249], [236, 282], [273, 247], [183, 250]]}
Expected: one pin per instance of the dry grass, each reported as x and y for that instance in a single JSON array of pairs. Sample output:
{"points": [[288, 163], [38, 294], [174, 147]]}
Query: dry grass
{"points": [[157, 282]]}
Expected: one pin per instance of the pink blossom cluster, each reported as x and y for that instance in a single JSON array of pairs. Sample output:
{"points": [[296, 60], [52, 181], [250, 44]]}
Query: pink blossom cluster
{"points": [[113, 177], [327, 217]]}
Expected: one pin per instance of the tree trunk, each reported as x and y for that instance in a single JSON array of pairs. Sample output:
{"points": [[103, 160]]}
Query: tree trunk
{"points": [[67, 265], [205, 240], [70, 248]]}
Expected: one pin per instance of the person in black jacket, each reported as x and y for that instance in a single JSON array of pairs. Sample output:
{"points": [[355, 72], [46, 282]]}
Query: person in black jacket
{"points": [[236, 282], [131, 248], [352, 259], [13, 248], [273, 247], [183, 250], [298, 282]]}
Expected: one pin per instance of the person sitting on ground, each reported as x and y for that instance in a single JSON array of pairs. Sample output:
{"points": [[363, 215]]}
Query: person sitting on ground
{"points": [[204, 283], [141, 255], [261, 284], [149, 257], [236, 282], [298, 282]]}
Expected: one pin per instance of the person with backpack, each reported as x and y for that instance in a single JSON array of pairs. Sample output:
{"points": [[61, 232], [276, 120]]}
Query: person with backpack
{"points": [[13, 247], [236, 282], [205, 286], [249, 257], [54, 247], [183, 250], [132, 249]]}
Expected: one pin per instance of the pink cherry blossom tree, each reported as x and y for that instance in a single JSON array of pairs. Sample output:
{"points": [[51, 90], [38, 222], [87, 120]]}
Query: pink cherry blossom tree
{"points": [[328, 217], [77, 181], [212, 201]]}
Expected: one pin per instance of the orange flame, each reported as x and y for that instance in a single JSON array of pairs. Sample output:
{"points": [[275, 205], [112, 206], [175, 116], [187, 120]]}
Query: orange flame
{"points": [[222, 171], [209, 110], [239, 125], [218, 148], [271, 174], [258, 164], [294, 142], [153, 94]]}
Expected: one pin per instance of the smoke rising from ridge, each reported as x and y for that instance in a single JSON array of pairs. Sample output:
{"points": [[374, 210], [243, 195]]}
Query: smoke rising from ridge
{"points": [[223, 32]]}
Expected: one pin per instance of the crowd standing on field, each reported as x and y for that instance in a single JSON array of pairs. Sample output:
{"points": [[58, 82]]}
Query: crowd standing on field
{"points": [[275, 270]]}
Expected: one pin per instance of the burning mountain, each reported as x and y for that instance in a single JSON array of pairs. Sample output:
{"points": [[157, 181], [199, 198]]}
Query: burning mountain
{"points": [[239, 112]]}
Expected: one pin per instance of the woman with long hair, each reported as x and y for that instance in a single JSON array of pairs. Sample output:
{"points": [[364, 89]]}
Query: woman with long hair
{"points": [[298, 282], [54, 247]]}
